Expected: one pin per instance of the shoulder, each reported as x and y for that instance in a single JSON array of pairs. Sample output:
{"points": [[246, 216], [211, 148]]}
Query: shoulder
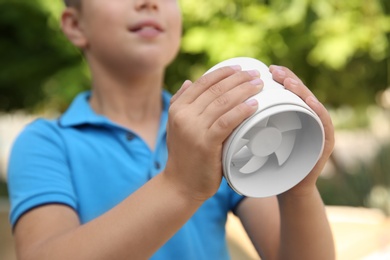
{"points": [[39, 140], [55, 127], [40, 130], [42, 124]]}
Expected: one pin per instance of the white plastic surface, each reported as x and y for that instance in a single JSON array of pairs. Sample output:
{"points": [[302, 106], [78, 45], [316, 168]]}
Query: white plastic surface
{"points": [[275, 148]]}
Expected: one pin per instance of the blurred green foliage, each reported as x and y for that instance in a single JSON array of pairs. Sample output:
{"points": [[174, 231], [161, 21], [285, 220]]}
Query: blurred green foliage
{"points": [[38, 65], [339, 48], [3, 189]]}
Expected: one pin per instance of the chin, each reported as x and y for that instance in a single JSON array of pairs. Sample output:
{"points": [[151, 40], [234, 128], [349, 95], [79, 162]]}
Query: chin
{"points": [[154, 60], [147, 65]]}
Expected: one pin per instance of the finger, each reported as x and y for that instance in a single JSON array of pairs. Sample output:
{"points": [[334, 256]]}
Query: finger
{"points": [[290, 81], [225, 125], [183, 88], [325, 118], [206, 81], [230, 99], [280, 73], [298, 88], [216, 93], [326, 121]]}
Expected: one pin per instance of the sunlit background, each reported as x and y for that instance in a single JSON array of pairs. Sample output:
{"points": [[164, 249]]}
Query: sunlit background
{"points": [[340, 49]]}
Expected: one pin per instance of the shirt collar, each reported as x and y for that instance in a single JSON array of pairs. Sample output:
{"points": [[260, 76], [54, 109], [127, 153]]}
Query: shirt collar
{"points": [[80, 112]]}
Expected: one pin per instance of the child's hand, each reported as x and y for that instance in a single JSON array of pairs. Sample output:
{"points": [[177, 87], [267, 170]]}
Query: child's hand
{"points": [[294, 84], [201, 117]]}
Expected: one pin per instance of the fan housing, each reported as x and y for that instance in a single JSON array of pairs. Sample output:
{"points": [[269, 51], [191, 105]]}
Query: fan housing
{"points": [[276, 147]]}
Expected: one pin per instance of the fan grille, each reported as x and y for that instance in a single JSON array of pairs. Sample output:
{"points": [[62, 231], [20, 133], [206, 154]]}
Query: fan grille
{"points": [[273, 135]]}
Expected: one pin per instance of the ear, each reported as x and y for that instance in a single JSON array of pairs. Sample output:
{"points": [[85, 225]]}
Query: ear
{"points": [[72, 27]]}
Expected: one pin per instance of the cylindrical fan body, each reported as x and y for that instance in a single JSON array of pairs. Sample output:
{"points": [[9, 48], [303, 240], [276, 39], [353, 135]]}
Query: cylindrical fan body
{"points": [[277, 146]]}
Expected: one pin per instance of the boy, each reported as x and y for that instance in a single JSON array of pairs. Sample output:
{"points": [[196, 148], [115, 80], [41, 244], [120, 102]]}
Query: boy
{"points": [[98, 182]]}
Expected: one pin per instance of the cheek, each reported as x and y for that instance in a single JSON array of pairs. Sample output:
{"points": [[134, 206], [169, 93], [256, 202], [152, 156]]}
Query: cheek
{"points": [[175, 37], [103, 18], [176, 26], [175, 34], [104, 28]]}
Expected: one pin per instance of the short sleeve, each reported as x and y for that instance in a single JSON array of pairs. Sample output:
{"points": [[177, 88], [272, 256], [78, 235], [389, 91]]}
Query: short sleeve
{"points": [[234, 197], [38, 172]]}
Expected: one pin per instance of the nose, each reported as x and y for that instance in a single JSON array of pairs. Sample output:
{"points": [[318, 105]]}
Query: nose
{"points": [[146, 5]]}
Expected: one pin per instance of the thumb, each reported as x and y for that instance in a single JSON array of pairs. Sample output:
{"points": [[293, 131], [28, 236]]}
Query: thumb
{"points": [[183, 88]]}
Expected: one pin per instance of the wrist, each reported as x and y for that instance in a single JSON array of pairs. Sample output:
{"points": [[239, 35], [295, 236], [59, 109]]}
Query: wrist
{"points": [[182, 190], [296, 195]]}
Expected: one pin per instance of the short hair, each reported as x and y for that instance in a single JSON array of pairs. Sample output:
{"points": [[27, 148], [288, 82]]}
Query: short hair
{"points": [[73, 3]]}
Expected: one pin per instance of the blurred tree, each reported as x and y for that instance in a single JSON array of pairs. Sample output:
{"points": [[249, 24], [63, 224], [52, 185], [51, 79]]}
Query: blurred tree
{"points": [[339, 48], [38, 64]]}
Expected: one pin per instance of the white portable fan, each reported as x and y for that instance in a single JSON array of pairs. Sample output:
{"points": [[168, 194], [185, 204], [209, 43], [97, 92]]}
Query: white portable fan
{"points": [[275, 148]]}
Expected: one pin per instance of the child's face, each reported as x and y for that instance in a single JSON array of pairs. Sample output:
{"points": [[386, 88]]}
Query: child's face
{"points": [[143, 32]]}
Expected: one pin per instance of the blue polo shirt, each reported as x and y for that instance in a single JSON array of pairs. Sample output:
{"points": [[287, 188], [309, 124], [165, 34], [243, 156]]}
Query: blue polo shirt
{"points": [[87, 162]]}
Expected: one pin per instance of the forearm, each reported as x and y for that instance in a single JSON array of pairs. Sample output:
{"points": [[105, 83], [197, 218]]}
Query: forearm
{"points": [[305, 230], [134, 229]]}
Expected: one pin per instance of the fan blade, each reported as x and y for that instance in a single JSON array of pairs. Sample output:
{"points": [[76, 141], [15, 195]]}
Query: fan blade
{"points": [[256, 128], [240, 145], [262, 123], [286, 147], [286, 121], [243, 154], [253, 164]]}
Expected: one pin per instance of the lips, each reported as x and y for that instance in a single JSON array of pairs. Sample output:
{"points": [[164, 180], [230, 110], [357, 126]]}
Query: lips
{"points": [[148, 25]]}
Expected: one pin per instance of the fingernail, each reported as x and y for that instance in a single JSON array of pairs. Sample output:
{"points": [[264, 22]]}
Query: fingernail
{"points": [[314, 99], [254, 73], [294, 82], [257, 82], [274, 67], [280, 73], [187, 82], [236, 67], [251, 102]]}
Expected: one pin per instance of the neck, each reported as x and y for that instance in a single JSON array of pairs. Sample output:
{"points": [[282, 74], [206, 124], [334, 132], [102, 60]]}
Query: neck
{"points": [[128, 100]]}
